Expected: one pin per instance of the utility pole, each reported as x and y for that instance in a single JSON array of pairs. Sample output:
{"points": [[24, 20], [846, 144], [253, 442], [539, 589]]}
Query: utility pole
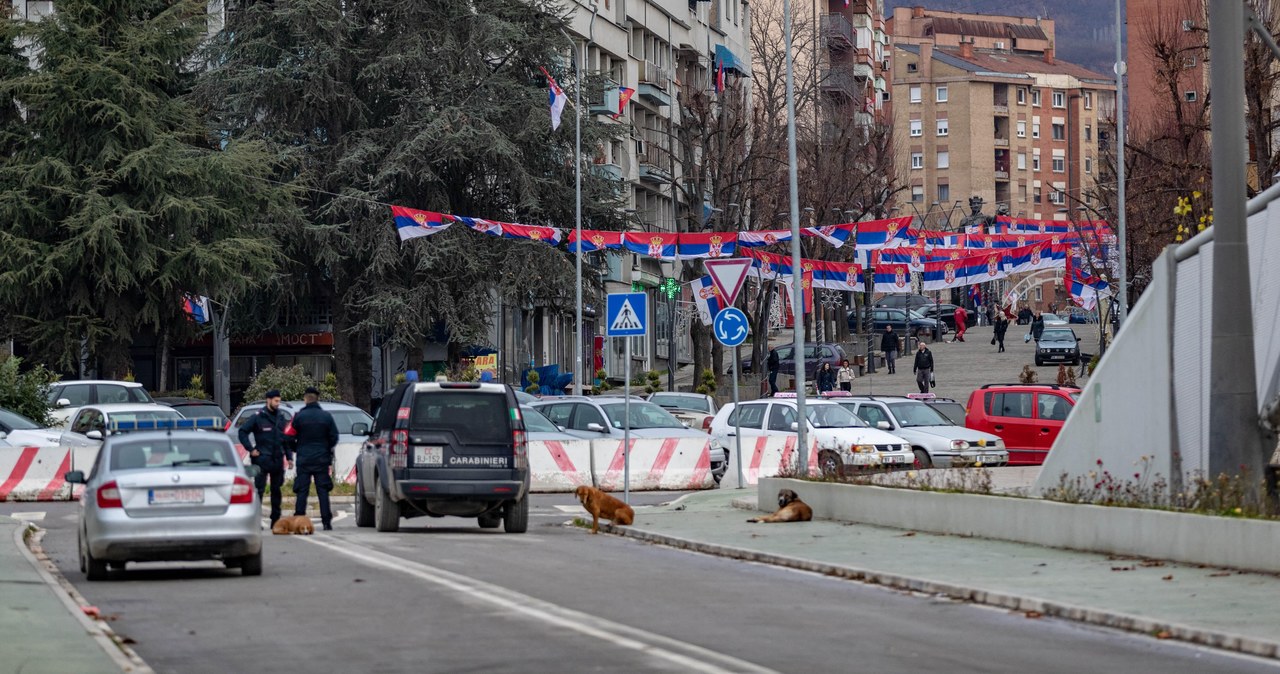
{"points": [[797, 280]]}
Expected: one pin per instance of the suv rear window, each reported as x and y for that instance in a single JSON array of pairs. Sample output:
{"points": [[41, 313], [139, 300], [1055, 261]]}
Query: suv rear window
{"points": [[474, 417]]}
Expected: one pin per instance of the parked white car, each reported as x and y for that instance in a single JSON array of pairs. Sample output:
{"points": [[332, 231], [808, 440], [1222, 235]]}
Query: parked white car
{"points": [[67, 397], [935, 440], [844, 440], [19, 431], [92, 424]]}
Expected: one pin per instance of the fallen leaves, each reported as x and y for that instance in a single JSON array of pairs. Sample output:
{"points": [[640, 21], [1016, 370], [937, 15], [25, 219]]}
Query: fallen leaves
{"points": [[1033, 614], [1220, 574], [1164, 634], [909, 533], [1122, 568], [1168, 577]]}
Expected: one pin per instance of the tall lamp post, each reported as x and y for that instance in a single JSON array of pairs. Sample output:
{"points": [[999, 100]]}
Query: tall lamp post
{"points": [[797, 280], [578, 374]]}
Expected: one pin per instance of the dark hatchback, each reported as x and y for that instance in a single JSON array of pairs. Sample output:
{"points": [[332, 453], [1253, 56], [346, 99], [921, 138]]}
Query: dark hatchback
{"points": [[1058, 345], [445, 449], [814, 356]]}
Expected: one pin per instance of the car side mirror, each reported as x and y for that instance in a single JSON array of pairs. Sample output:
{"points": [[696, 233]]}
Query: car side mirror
{"points": [[360, 428], [795, 426], [560, 428], [1079, 338], [94, 435], [595, 428], [253, 470], [884, 425], [62, 402], [74, 476]]}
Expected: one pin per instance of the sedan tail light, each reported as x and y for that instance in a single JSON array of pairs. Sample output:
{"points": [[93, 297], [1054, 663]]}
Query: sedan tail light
{"points": [[109, 496], [706, 424], [241, 491]]}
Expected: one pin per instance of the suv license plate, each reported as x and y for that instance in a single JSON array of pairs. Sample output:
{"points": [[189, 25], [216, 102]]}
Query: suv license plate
{"points": [[172, 496], [428, 456]]}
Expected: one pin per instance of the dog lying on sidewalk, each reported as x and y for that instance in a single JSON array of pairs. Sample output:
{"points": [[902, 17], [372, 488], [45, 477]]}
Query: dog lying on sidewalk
{"points": [[294, 524], [604, 506], [790, 509]]}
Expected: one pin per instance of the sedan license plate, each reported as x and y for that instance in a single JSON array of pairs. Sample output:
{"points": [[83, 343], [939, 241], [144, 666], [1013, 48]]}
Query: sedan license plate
{"points": [[428, 456], [175, 496], [893, 459], [991, 458]]}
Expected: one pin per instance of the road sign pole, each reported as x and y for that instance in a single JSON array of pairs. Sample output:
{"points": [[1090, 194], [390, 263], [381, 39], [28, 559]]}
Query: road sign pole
{"points": [[737, 428], [626, 426]]}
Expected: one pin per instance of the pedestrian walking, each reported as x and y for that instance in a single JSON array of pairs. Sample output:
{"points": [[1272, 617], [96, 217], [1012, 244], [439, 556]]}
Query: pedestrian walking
{"points": [[826, 378], [844, 377], [923, 368], [317, 435], [1001, 327], [962, 320], [773, 372], [889, 345], [1037, 326], [263, 436]]}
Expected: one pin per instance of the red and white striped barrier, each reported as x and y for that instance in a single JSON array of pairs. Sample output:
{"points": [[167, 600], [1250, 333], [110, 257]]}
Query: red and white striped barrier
{"points": [[34, 474], [559, 466], [768, 456], [656, 464]]}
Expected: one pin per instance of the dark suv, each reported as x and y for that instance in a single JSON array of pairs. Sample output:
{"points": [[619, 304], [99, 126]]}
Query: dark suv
{"points": [[448, 448]]}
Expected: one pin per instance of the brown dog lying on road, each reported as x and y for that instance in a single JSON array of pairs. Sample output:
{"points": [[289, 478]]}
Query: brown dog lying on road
{"points": [[790, 509], [294, 524], [602, 505]]}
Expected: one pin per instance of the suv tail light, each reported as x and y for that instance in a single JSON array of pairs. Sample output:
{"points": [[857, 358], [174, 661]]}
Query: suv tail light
{"points": [[109, 496], [399, 457], [521, 442], [241, 491]]}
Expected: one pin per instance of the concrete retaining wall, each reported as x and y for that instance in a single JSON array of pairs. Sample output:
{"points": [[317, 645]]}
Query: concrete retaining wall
{"points": [[1180, 537]]}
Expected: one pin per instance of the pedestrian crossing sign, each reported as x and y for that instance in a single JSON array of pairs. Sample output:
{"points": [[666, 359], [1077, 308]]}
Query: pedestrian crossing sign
{"points": [[626, 315]]}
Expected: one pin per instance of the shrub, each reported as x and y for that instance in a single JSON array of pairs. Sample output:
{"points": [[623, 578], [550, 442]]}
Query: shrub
{"points": [[1066, 376], [1028, 375], [26, 393], [708, 385], [654, 383], [533, 388], [603, 378], [291, 381]]}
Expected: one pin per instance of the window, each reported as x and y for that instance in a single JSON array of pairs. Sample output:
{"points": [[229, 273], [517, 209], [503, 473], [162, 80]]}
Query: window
{"points": [[911, 67], [584, 415], [941, 95], [1059, 165], [1059, 99], [917, 160], [914, 93], [873, 414], [76, 394], [1088, 132], [781, 417], [917, 128], [917, 194], [1035, 195], [1035, 129], [1022, 95], [1035, 97], [1058, 197], [1052, 407], [943, 127], [1022, 161], [1022, 129], [1015, 405], [944, 160], [944, 192], [1035, 162], [1190, 62], [1191, 96], [1088, 164], [748, 416], [1059, 131], [1088, 100], [1188, 25]]}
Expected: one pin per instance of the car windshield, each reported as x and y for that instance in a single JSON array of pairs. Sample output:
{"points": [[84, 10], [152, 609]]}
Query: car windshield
{"points": [[832, 416], [1050, 317], [345, 419], [16, 422], [915, 314], [535, 422], [643, 415], [472, 416], [953, 411], [917, 414], [1058, 336], [164, 452], [668, 400]]}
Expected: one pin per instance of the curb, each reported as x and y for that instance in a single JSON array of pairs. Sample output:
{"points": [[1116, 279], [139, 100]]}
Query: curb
{"points": [[1120, 621], [119, 652]]}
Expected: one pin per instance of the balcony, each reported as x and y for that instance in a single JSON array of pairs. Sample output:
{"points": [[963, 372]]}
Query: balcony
{"points": [[849, 81], [839, 32], [651, 166], [1002, 173], [654, 82], [609, 171], [1001, 142], [605, 102], [1000, 110]]}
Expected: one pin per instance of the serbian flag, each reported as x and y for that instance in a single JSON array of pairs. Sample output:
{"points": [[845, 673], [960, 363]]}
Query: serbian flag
{"points": [[837, 275], [653, 244], [835, 235], [593, 240], [558, 99], [196, 307], [708, 244], [934, 238], [411, 223], [975, 295], [549, 235], [985, 267], [893, 278], [707, 299], [624, 97], [1043, 255], [1085, 290], [480, 224], [806, 283], [912, 256], [718, 84], [883, 233], [763, 238]]}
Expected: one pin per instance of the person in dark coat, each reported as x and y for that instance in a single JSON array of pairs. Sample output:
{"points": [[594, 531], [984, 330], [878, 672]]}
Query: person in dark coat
{"points": [[263, 436], [1001, 327], [826, 378], [773, 365], [1024, 316], [317, 435], [1037, 326], [923, 367], [889, 345]]}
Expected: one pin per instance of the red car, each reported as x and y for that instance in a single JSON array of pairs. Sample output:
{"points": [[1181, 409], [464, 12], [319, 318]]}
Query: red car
{"points": [[1026, 416]]}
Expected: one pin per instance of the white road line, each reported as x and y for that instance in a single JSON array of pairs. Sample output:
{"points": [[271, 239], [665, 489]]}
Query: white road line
{"points": [[36, 516], [684, 655]]}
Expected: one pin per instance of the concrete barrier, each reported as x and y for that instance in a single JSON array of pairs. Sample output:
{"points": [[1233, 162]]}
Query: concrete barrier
{"points": [[1157, 534], [559, 466], [34, 474], [767, 456], [656, 464]]}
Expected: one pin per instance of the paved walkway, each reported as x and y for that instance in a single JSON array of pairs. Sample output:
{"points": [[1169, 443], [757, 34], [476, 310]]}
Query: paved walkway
{"points": [[40, 634], [1233, 610]]}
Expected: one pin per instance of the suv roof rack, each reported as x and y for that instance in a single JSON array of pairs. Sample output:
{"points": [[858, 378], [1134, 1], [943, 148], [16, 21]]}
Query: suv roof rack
{"points": [[1049, 386]]}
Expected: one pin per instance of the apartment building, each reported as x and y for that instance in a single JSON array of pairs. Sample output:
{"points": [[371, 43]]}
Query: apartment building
{"points": [[1178, 27], [981, 107], [857, 57]]}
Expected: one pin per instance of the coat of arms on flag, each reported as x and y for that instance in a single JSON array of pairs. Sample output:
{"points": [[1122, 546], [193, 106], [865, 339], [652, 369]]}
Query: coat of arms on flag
{"points": [[949, 272], [900, 276]]}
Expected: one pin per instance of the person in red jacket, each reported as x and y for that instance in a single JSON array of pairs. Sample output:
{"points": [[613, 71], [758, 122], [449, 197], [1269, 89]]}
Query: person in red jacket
{"points": [[961, 317]]}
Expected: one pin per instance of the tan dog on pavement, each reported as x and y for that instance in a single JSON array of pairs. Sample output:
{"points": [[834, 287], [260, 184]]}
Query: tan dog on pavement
{"points": [[602, 505], [294, 524], [790, 509]]}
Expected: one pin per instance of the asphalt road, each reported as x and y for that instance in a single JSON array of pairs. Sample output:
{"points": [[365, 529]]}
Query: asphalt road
{"points": [[450, 597]]}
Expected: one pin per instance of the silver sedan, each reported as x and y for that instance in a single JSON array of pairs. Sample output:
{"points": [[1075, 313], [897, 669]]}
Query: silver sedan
{"points": [[168, 496]]}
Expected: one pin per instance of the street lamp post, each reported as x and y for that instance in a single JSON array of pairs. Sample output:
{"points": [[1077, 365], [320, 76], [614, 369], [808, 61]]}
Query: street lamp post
{"points": [[797, 287], [1123, 275], [578, 374]]}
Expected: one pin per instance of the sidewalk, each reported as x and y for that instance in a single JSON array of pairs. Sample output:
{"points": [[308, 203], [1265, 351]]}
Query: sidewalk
{"points": [[1224, 609], [41, 634]]}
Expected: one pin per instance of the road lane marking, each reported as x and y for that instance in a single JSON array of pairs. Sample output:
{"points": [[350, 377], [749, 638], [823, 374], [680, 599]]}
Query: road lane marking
{"points": [[688, 657], [36, 516]]}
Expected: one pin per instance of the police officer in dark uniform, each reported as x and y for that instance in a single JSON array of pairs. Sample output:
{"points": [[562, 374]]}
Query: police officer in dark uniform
{"points": [[271, 450], [316, 434]]}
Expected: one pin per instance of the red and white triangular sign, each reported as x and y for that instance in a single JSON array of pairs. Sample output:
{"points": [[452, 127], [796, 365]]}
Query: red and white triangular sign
{"points": [[728, 275]]}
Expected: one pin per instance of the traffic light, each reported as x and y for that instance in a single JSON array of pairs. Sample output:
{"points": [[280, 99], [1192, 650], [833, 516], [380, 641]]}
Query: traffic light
{"points": [[637, 287], [670, 288]]}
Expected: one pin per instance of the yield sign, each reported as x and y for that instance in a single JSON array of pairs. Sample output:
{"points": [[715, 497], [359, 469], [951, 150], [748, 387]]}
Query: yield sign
{"points": [[728, 275]]}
